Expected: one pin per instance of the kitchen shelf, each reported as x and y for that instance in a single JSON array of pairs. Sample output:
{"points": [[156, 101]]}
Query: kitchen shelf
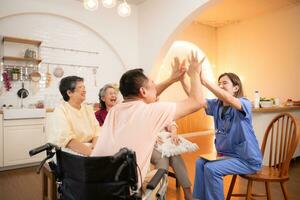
{"points": [[22, 41], [12, 58]]}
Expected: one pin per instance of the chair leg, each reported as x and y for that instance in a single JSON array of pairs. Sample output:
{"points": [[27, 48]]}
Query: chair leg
{"points": [[177, 183], [49, 184], [171, 174], [231, 187], [267, 185], [284, 190], [45, 186], [249, 190]]}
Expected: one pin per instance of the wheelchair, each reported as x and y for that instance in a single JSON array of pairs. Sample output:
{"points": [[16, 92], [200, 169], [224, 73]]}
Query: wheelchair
{"points": [[108, 178]]}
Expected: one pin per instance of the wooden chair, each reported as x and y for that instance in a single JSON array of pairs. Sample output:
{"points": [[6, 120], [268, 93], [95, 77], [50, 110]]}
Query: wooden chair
{"points": [[279, 144]]}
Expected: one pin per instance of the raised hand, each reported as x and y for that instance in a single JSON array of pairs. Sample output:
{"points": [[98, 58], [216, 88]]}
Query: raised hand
{"points": [[178, 69], [202, 77], [194, 65]]}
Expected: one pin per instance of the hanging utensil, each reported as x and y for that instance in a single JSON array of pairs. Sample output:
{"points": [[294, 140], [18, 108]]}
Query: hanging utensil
{"points": [[26, 74], [58, 72], [95, 77], [48, 77], [35, 76], [22, 93]]}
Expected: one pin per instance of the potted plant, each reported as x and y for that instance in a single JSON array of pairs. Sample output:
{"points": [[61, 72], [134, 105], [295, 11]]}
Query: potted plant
{"points": [[15, 74]]}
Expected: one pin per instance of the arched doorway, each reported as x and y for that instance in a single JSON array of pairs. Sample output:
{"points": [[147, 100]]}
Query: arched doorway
{"points": [[197, 121]]}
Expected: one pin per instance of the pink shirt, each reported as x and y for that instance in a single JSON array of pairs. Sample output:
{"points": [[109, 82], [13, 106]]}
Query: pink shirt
{"points": [[134, 125]]}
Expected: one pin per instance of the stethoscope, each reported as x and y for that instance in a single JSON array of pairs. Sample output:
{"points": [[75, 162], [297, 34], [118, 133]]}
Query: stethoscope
{"points": [[224, 115]]}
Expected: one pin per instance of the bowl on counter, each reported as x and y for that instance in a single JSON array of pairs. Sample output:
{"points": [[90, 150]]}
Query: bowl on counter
{"points": [[266, 104]]}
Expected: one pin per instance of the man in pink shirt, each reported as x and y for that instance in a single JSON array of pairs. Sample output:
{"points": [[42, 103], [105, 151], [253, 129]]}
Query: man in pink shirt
{"points": [[135, 122]]}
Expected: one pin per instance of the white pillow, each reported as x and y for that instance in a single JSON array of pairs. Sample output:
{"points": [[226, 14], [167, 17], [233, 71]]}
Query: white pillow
{"points": [[168, 149]]}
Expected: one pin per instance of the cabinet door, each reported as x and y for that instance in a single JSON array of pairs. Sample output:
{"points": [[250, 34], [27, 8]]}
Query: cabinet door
{"points": [[18, 140]]}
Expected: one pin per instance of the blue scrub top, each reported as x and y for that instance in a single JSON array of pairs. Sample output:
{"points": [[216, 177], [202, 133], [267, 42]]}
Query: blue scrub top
{"points": [[235, 136]]}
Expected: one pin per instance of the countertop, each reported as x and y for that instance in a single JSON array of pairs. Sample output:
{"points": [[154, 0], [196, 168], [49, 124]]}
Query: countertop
{"points": [[47, 110], [275, 109], [254, 110]]}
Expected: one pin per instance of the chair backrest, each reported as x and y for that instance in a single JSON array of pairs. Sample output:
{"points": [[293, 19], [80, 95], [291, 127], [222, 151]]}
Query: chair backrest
{"points": [[281, 139]]}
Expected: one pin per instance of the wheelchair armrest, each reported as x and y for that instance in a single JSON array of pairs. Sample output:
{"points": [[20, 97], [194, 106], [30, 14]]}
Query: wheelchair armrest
{"points": [[156, 178]]}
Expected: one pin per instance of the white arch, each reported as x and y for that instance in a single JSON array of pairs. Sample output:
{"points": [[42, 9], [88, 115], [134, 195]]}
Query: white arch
{"points": [[186, 14], [181, 49], [75, 21]]}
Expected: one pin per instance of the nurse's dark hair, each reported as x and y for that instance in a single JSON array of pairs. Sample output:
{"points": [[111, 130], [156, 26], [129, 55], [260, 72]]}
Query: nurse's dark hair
{"points": [[68, 83], [131, 82], [102, 93], [236, 81]]}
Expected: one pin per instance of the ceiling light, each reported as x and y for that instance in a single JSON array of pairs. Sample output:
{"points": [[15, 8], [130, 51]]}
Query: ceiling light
{"points": [[109, 3], [90, 4], [124, 9]]}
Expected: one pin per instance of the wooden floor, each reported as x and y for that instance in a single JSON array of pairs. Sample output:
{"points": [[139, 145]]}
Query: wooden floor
{"points": [[24, 184]]}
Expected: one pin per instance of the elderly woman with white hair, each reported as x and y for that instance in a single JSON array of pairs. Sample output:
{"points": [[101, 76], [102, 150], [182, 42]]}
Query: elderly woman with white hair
{"points": [[107, 98]]}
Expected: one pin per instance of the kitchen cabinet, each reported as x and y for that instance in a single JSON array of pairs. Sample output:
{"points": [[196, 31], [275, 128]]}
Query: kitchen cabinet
{"points": [[1, 141], [49, 123], [20, 136]]}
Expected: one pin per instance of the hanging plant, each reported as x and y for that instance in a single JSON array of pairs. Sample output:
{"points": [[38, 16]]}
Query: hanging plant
{"points": [[6, 80]]}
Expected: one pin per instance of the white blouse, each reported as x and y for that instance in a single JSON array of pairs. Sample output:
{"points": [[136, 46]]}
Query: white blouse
{"points": [[70, 123]]}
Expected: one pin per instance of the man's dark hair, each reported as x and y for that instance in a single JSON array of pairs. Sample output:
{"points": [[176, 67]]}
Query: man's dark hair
{"points": [[131, 82], [68, 83]]}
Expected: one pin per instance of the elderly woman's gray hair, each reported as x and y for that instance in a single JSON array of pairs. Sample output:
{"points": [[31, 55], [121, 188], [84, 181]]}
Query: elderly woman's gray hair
{"points": [[102, 93]]}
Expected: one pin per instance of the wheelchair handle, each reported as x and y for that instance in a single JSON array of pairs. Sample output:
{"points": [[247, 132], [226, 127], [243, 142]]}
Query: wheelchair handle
{"points": [[119, 155], [44, 147]]}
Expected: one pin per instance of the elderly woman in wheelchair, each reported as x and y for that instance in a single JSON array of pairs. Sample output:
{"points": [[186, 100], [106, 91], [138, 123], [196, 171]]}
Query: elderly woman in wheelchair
{"points": [[73, 121]]}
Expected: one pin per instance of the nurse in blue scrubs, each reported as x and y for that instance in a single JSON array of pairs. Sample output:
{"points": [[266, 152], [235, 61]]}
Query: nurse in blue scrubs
{"points": [[235, 137]]}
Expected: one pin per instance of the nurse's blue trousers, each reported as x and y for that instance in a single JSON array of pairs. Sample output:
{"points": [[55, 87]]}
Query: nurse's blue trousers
{"points": [[208, 184]]}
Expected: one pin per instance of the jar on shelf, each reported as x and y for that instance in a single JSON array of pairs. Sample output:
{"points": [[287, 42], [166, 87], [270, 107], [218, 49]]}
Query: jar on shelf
{"points": [[15, 74]]}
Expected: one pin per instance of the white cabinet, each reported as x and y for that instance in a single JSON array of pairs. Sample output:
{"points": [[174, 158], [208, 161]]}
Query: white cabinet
{"points": [[49, 124], [1, 141], [20, 136]]}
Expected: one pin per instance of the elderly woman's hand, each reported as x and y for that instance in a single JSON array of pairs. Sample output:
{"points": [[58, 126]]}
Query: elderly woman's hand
{"points": [[159, 140], [175, 139]]}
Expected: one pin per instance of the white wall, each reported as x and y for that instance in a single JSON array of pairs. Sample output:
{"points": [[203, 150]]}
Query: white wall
{"points": [[139, 40], [64, 23], [120, 33], [265, 52], [57, 31], [160, 22]]}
